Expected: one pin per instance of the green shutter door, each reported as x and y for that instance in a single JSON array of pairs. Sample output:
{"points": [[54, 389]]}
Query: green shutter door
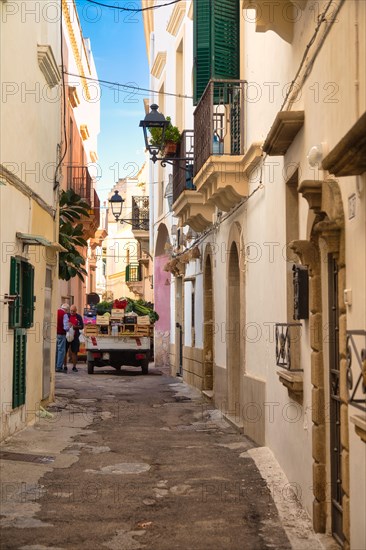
{"points": [[226, 43], [202, 62], [216, 42], [127, 274], [15, 317], [27, 295], [19, 364]]}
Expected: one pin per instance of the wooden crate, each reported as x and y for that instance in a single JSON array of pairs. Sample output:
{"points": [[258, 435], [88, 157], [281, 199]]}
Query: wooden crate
{"points": [[143, 320], [141, 330], [117, 315], [101, 320], [91, 330]]}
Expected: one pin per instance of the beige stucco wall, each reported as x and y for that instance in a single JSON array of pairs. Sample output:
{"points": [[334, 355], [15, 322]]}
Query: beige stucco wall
{"points": [[30, 133]]}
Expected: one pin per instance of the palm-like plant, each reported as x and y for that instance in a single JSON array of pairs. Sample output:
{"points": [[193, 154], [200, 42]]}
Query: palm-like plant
{"points": [[71, 262]]}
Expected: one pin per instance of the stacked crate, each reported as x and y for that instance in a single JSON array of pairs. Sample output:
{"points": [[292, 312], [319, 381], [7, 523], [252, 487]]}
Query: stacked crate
{"points": [[127, 325]]}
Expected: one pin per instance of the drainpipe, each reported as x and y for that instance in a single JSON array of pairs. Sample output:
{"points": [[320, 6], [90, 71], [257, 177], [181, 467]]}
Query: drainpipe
{"points": [[151, 164]]}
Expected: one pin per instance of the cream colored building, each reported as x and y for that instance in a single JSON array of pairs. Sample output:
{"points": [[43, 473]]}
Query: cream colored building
{"points": [[30, 136], [82, 125], [273, 303], [126, 249], [168, 36]]}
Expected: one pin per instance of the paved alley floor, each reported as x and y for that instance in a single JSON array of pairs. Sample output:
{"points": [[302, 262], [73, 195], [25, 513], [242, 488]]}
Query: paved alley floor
{"points": [[136, 462]]}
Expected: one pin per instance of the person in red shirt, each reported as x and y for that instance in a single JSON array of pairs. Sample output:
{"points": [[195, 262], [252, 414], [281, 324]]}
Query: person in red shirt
{"points": [[77, 322], [62, 327]]}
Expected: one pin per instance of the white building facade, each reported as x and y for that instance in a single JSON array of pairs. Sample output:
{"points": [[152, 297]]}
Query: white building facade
{"points": [[270, 290]]}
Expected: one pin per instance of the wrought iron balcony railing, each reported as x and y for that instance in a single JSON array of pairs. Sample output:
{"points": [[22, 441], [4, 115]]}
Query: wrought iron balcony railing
{"points": [[286, 334], [79, 179], [140, 213], [219, 121], [183, 169], [96, 208], [356, 368]]}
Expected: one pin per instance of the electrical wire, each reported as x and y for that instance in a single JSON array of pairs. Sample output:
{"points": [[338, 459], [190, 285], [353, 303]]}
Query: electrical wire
{"points": [[321, 20], [134, 10], [129, 86]]}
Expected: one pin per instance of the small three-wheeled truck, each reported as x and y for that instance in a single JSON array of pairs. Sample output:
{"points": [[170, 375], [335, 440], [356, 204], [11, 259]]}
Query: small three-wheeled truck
{"points": [[117, 351]]}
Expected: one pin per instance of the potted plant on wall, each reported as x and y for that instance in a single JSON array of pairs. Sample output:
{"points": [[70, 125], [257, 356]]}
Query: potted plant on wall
{"points": [[171, 138]]}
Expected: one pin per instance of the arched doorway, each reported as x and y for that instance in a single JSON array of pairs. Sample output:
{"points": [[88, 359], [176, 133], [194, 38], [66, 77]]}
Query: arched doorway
{"points": [[233, 334], [209, 323], [324, 254], [162, 289]]}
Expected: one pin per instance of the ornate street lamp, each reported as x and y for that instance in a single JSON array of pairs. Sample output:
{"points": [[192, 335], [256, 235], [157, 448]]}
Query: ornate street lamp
{"points": [[156, 120], [116, 204]]}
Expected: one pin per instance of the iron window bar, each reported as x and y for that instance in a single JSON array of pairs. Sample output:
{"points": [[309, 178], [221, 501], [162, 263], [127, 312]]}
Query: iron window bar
{"points": [[355, 350], [283, 345]]}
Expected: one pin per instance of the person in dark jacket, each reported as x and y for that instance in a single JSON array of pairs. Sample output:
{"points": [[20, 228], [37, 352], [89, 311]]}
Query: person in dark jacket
{"points": [[77, 322]]}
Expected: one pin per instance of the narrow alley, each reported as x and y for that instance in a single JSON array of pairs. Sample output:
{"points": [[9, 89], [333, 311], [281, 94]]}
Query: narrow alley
{"points": [[132, 461]]}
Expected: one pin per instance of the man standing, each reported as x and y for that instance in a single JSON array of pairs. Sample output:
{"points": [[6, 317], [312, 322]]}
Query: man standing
{"points": [[62, 327], [77, 322]]}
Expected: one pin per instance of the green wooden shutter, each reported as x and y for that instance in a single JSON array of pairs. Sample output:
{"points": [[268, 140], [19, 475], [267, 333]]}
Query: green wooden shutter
{"points": [[27, 295], [226, 42], [127, 274], [15, 317], [216, 42], [19, 365], [202, 50]]}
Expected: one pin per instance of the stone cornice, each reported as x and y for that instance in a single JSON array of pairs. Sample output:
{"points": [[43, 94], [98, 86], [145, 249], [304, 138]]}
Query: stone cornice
{"points": [[13, 180], [158, 65], [48, 65], [75, 49], [348, 157], [283, 131], [176, 18]]}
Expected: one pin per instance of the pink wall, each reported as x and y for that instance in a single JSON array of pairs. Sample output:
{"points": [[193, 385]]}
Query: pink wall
{"points": [[162, 293]]}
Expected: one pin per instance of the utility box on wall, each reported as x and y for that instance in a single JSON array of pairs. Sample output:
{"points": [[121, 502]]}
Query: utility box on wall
{"points": [[301, 292]]}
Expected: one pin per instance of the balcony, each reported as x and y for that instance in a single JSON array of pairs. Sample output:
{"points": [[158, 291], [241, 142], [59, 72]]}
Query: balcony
{"points": [[133, 278], [79, 179], [221, 166], [187, 203], [140, 221]]}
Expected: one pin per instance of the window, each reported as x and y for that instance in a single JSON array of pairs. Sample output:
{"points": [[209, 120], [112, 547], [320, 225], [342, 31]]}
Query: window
{"points": [[133, 273], [21, 311], [216, 42]]}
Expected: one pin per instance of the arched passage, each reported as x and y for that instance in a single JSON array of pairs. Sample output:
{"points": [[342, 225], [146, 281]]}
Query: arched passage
{"points": [[162, 284], [233, 333], [209, 323]]}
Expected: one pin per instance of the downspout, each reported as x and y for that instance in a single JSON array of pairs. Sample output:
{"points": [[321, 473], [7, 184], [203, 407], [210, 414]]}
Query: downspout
{"points": [[357, 52], [151, 164]]}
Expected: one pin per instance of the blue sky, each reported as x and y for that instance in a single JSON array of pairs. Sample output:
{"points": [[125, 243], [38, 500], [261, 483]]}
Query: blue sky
{"points": [[118, 45]]}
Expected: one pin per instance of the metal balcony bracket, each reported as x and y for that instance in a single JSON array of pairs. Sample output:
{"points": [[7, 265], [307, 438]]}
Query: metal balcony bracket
{"points": [[137, 224], [173, 161]]}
